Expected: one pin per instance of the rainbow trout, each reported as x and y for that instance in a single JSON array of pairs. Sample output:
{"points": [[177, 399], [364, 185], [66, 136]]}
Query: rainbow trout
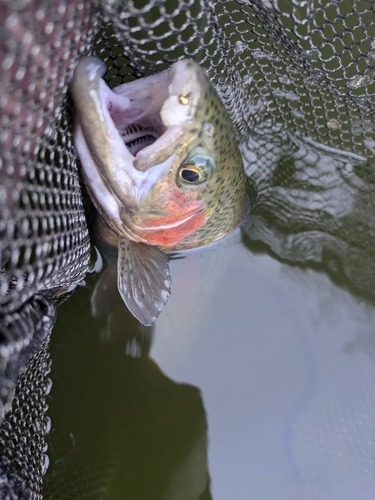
{"points": [[162, 166]]}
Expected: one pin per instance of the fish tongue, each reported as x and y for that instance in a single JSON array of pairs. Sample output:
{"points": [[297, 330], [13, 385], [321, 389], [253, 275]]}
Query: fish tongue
{"points": [[143, 279]]}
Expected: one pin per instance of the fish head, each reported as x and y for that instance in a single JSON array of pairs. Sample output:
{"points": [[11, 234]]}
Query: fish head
{"points": [[159, 155]]}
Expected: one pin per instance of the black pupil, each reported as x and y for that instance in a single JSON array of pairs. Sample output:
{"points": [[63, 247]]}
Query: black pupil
{"points": [[190, 175]]}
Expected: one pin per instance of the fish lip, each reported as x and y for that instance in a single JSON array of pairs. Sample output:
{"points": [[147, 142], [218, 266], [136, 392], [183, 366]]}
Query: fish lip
{"points": [[154, 105]]}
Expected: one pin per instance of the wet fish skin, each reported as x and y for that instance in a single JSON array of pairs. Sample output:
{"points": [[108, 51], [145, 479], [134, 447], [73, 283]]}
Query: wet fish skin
{"points": [[184, 189]]}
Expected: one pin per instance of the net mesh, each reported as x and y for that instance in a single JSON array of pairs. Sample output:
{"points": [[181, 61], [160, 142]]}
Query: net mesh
{"points": [[22, 435], [44, 241], [297, 77]]}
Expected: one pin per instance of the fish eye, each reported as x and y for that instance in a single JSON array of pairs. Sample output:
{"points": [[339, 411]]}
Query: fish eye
{"points": [[195, 170], [191, 175]]}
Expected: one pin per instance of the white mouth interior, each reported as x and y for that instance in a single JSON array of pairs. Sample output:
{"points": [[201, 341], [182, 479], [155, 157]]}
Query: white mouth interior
{"points": [[135, 110]]}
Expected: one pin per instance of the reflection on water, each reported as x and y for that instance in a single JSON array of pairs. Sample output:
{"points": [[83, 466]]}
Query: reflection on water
{"points": [[289, 410], [256, 382], [315, 206]]}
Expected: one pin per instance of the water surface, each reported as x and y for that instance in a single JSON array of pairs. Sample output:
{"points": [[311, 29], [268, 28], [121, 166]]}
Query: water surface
{"points": [[255, 383]]}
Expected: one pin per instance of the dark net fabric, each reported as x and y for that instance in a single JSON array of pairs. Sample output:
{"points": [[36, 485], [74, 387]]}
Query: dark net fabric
{"points": [[22, 435], [297, 77]]}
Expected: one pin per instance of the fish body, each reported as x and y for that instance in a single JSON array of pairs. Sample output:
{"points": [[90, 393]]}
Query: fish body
{"points": [[162, 166]]}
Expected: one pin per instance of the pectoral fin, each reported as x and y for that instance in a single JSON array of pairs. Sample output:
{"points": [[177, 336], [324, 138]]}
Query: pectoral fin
{"points": [[143, 279]]}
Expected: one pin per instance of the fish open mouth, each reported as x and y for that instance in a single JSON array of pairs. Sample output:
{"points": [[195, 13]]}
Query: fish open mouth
{"points": [[135, 109], [139, 124]]}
